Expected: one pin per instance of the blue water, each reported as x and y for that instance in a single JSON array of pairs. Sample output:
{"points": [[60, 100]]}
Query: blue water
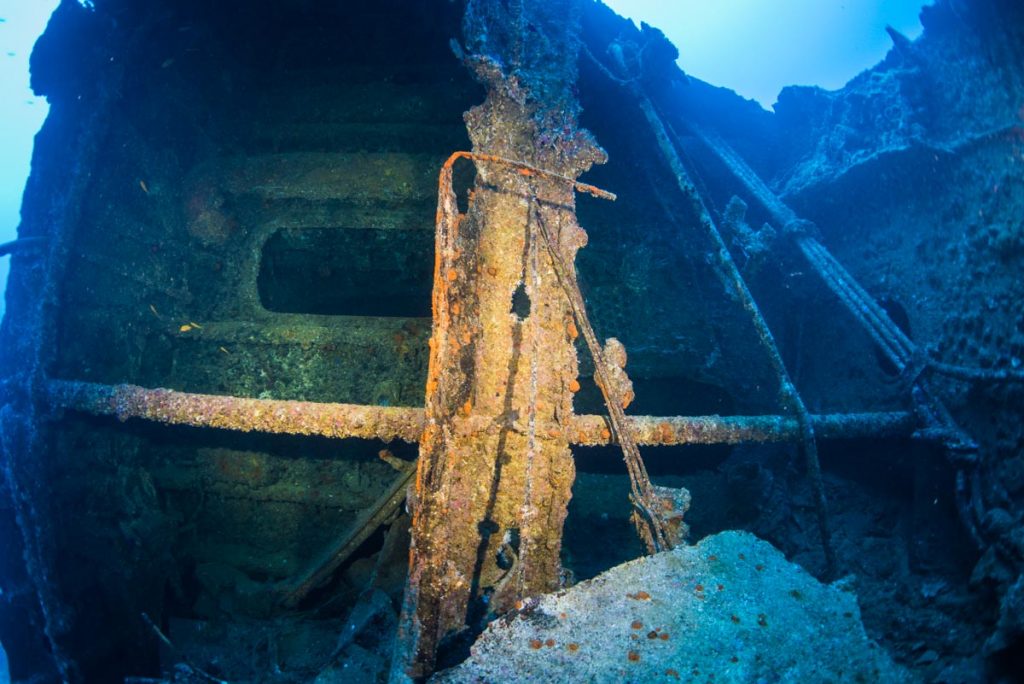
{"points": [[21, 112]]}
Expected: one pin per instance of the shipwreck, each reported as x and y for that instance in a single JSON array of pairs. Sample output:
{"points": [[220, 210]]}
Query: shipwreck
{"points": [[340, 334]]}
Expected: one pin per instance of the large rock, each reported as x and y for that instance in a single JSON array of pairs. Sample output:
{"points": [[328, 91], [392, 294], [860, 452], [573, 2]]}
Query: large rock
{"points": [[730, 609]]}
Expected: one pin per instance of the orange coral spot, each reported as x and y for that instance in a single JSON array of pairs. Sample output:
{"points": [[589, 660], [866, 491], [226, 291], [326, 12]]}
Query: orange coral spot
{"points": [[452, 275], [663, 636], [573, 647], [699, 587], [553, 433], [466, 338], [570, 328], [549, 643], [672, 673], [467, 408], [491, 270], [574, 386], [606, 433], [640, 596], [633, 656], [665, 432], [456, 308], [535, 644], [712, 558], [637, 624], [562, 616]]}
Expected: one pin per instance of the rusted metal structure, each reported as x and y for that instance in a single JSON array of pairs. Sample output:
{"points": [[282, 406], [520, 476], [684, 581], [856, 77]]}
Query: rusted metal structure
{"points": [[489, 493]]}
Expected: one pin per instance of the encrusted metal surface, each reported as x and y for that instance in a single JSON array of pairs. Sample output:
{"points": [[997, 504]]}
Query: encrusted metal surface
{"points": [[238, 413], [389, 423]]}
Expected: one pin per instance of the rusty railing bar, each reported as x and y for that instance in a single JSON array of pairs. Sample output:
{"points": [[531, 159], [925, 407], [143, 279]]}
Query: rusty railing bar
{"points": [[387, 423]]}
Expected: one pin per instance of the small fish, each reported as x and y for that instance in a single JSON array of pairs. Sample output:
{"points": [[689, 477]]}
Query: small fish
{"points": [[167, 63], [224, 350], [185, 328], [195, 325], [145, 188], [153, 309]]}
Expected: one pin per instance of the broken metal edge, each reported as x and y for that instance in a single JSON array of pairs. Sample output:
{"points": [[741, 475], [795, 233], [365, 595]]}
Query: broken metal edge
{"points": [[387, 423]]}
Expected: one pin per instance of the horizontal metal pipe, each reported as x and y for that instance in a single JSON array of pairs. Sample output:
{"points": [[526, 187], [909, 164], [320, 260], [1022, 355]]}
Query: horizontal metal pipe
{"points": [[675, 430], [237, 413], [406, 423]]}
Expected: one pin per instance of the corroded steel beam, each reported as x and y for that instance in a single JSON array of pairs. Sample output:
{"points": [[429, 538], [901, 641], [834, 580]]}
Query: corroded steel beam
{"points": [[406, 423]]}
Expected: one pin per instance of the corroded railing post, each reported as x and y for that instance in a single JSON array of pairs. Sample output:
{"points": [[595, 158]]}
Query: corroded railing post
{"points": [[489, 501]]}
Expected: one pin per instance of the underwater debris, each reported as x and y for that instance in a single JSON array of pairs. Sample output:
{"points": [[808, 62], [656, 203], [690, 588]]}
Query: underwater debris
{"points": [[383, 511]]}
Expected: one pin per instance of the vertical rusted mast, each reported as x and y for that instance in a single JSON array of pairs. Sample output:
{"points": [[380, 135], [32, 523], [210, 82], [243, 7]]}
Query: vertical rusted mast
{"points": [[495, 471]]}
